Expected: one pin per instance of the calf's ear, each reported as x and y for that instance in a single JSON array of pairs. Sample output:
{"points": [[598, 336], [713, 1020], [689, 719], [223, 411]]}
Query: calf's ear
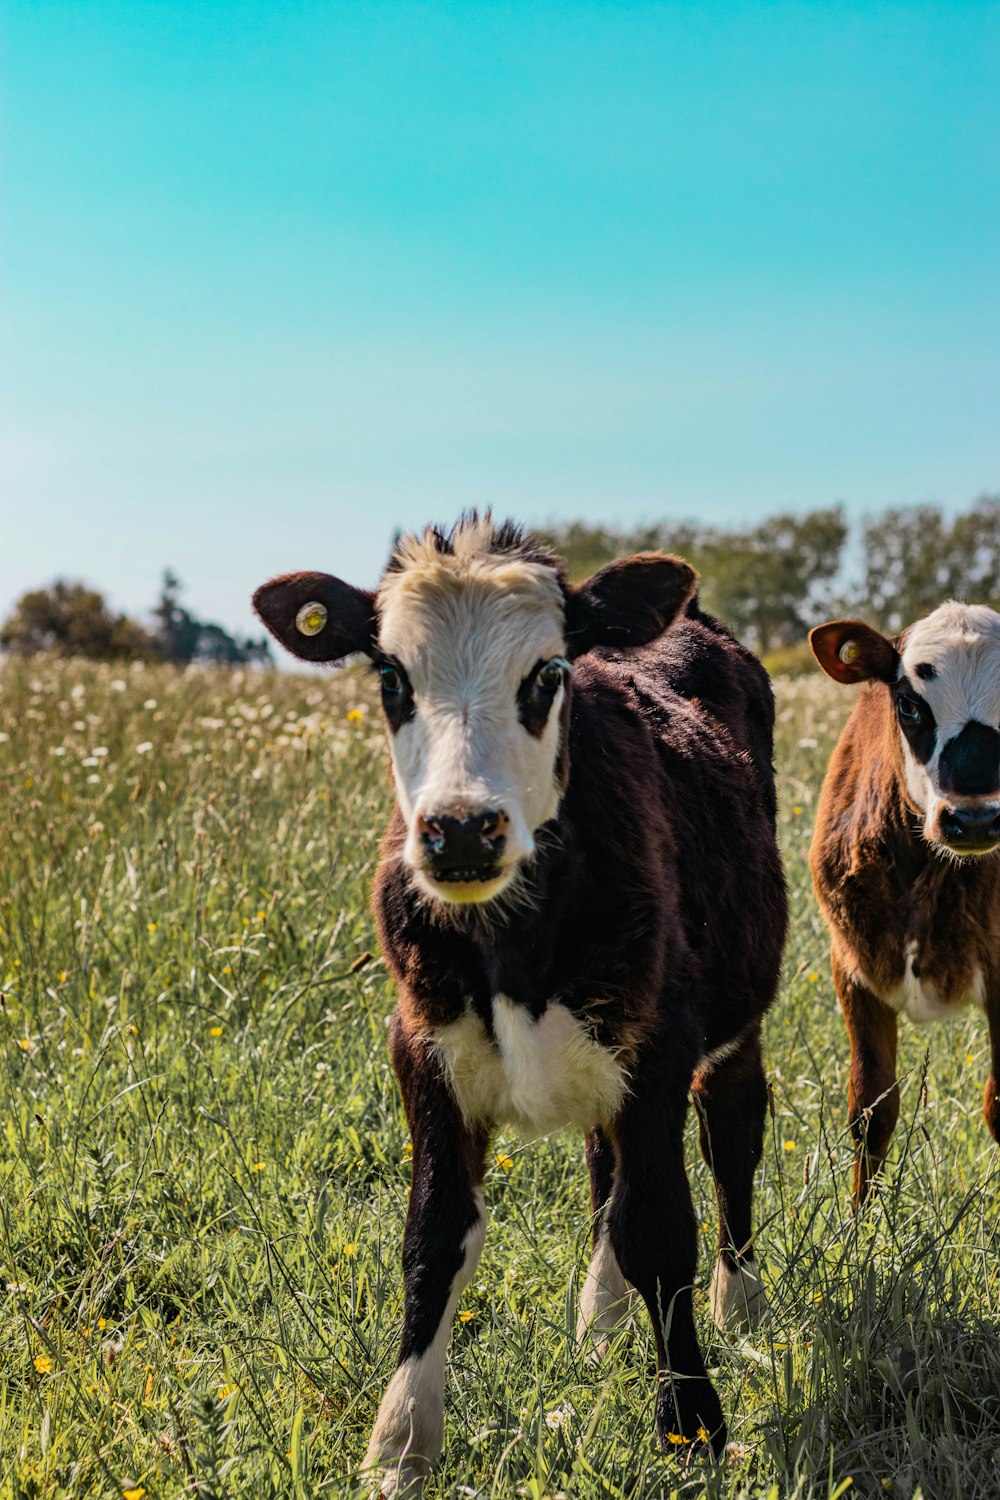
{"points": [[628, 603], [318, 617], [851, 651]]}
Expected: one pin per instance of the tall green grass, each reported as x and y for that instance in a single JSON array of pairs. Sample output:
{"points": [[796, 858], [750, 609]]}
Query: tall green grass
{"points": [[204, 1167]]}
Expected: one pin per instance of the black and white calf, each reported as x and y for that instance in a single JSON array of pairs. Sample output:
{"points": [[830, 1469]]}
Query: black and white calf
{"points": [[582, 903]]}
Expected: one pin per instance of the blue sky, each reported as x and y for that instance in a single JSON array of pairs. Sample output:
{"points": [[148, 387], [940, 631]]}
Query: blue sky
{"points": [[278, 278]]}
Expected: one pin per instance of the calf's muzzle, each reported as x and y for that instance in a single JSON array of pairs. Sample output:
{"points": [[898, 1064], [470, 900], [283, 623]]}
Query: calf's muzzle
{"points": [[463, 847], [971, 829]]}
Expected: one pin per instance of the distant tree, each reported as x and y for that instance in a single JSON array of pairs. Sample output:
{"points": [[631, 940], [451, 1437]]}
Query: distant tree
{"points": [[583, 548], [73, 620], [180, 637], [177, 632], [915, 558], [769, 582], [772, 581]]}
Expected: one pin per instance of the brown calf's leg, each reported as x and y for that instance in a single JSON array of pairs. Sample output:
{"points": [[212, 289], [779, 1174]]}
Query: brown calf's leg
{"points": [[605, 1297], [445, 1228], [991, 1097], [652, 1232], [731, 1100], [873, 1093]]}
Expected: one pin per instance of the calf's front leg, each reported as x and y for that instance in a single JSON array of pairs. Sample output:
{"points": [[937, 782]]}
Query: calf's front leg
{"points": [[873, 1093], [652, 1230], [442, 1242]]}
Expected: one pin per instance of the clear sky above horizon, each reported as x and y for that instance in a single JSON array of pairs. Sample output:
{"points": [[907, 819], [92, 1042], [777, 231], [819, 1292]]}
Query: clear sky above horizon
{"points": [[280, 278]]}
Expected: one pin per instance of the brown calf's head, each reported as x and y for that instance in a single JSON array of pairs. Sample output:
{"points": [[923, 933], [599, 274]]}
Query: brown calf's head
{"points": [[473, 634], [943, 675]]}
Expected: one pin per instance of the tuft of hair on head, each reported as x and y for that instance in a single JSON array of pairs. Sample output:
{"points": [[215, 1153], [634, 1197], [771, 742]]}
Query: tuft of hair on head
{"points": [[474, 536]]}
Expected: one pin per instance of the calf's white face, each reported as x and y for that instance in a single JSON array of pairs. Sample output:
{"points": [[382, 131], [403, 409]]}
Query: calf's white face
{"points": [[943, 676], [471, 634], [471, 657]]}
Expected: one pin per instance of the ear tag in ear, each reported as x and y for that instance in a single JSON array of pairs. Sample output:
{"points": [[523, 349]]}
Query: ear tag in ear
{"points": [[311, 618], [849, 653]]}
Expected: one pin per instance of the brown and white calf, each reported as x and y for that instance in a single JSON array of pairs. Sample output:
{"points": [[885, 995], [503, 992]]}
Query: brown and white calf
{"points": [[581, 901], [905, 850]]}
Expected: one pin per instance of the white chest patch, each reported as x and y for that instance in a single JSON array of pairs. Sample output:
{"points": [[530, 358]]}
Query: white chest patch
{"points": [[920, 1000], [538, 1076]]}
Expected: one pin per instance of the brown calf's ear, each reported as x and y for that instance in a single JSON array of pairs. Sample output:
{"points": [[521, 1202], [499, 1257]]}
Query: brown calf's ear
{"points": [[851, 651], [628, 603], [317, 617]]}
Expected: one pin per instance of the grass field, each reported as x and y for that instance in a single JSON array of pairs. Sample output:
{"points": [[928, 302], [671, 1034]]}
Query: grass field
{"points": [[204, 1163]]}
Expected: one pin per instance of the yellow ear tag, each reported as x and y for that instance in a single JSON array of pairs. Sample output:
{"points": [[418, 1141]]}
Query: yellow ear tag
{"points": [[849, 653], [311, 618]]}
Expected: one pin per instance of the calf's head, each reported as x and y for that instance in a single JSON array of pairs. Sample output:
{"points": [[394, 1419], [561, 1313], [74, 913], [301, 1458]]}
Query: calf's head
{"points": [[473, 634], [943, 676]]}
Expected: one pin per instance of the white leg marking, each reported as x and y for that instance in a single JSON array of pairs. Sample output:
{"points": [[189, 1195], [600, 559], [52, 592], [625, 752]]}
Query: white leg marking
{"points": [[737, 1296], [605, 1300], [409, 1428]]}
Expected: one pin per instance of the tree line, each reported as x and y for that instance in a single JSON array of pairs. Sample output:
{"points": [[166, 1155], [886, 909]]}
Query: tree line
{"points": [[770, 582], [74, 620]]}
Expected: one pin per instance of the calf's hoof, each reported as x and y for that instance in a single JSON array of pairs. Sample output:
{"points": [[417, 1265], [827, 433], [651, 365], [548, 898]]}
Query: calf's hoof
{"points": [[737, 1295], [403, 1480], [688, 1412]]}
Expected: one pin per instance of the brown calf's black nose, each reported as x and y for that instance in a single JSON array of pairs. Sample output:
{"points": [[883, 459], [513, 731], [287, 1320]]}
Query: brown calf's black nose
{"points": [[971, 827], [463, 847]]}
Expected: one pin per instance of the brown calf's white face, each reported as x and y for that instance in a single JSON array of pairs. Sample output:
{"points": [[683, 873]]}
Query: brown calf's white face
{"points": [[947, 698], [471, 656], [943, 677]]}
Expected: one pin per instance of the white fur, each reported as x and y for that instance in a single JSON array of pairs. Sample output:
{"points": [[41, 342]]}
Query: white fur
{"points": [[468, 628], [605, 1298], [962, 643], [538, 1076], [737, 1297], [921, 1001], [409, 1428]]}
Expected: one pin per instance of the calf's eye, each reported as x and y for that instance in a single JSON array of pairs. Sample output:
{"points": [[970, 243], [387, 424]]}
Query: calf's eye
{"points": [[908, 708], [551, 675], [390, 680]]}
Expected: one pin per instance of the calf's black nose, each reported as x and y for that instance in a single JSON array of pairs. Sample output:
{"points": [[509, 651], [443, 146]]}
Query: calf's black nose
{"points": [[463, 847], [971, 827]]}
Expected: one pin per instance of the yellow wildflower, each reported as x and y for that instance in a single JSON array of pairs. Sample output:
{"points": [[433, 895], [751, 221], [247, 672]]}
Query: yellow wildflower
{"points": [[466, 1315], [43, 1364], [505, 1162], [350, 1251], [215, 1031], [152, 926], [225, 1391], [789, 1146], [136, 1493], [355, 715]]}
